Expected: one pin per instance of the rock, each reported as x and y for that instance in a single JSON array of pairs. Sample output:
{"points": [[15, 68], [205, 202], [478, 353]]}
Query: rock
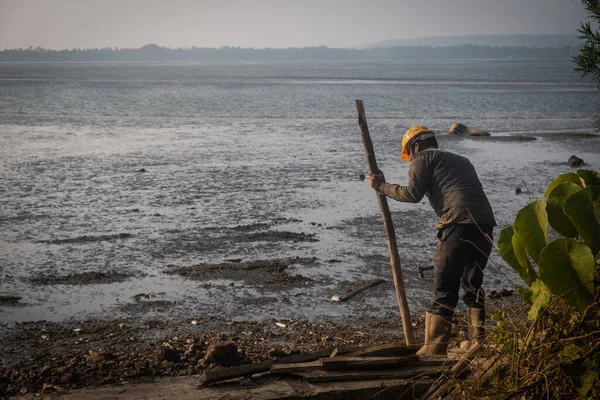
{"points": [[142, 170], [169, 354], [361, 177], [222, 353], [66, 378], [276, 353], [575, 161], [518, 190], [247, 382], [463, 130], [192, 350]]}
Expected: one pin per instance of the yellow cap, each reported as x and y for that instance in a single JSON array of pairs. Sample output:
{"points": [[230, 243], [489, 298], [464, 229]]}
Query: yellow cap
{"points": [[408, 136]]}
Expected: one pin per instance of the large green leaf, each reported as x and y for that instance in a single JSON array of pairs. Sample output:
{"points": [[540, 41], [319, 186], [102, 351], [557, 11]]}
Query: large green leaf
{"points": [[555, 203], [540, 295], [566, 266], [531, 226], [583, 208], [589, 177], [568, 177], [509, 253]]}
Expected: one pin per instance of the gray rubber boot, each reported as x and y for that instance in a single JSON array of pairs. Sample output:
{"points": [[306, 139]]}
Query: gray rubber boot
{"points": [[476, 318], [437, 335], [476, 324]]}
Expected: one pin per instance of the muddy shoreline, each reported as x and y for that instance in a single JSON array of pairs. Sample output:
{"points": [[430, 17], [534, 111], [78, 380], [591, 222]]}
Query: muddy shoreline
{"points": [[52, 358], [42, 357]]}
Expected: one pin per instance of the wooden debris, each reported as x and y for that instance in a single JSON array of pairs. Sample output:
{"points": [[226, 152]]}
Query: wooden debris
{"points": [[390, 349], [385, 371], [213, 376], [295, 367], [339, 299], [316, 376], [365, 362], [333, 363], [354, 371]]}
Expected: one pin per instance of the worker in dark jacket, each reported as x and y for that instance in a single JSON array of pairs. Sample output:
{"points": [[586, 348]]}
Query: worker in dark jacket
{"points": [[465, 231]]}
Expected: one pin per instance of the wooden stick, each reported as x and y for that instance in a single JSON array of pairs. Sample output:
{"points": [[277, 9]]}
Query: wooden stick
{"points": [[357, 291], [389, 228]]}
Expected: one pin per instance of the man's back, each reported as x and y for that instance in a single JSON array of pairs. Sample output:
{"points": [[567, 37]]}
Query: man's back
{"points": [[452, 186]]}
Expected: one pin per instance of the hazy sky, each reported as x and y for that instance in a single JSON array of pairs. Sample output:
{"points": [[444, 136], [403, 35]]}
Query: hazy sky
{"points": [[60, 24]]}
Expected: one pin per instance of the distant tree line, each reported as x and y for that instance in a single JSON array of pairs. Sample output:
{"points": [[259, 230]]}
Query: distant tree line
{"points": [[153, 52]]}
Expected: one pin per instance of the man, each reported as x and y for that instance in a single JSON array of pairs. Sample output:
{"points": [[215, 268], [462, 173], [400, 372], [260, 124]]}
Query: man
{"points": [[465, 231]]}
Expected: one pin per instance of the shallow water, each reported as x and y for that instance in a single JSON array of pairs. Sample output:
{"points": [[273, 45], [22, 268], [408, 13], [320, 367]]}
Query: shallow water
{"points": [[225, 146]]}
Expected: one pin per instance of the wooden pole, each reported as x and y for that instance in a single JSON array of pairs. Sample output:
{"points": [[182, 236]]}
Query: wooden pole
{"points": [[389, 228]]}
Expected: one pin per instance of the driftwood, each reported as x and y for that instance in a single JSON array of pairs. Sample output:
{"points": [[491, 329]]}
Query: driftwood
{"points": [[339, 299], [317, 376], [389, 227], [334, 363], [390, 349], [365, 362], [295, 367], [219, 375]]}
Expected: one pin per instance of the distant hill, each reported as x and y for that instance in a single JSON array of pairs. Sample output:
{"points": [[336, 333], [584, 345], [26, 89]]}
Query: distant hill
{"points": [[481, 40], [154, 52]]}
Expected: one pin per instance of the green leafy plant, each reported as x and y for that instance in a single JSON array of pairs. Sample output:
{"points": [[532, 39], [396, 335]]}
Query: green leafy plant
{"points": [[562, 267], [588, 59]]}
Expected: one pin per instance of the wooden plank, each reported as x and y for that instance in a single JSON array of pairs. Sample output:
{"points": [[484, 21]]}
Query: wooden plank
{"points": [[390, 349], [388, 226], [214, 376], [297, 367], [365, 362], [317, 376], [349, 295]]}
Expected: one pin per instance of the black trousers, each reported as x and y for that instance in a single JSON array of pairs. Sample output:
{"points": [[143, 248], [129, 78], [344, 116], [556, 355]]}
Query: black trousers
{"points": [[459, 260]]}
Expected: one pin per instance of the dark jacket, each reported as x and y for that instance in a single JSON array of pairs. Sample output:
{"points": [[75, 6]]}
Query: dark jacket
{"points": [[451, 184]]}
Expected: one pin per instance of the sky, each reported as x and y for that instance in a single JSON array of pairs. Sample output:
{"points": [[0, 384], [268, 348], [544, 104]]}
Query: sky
{"points": [[67, 24]]}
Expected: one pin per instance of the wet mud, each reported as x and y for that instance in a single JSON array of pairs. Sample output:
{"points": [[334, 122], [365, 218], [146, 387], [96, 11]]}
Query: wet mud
{"points": [[83, 278], [69, 356], [269, 274], [279, 235], [9, 300], [147, 306], [89, 239]]}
